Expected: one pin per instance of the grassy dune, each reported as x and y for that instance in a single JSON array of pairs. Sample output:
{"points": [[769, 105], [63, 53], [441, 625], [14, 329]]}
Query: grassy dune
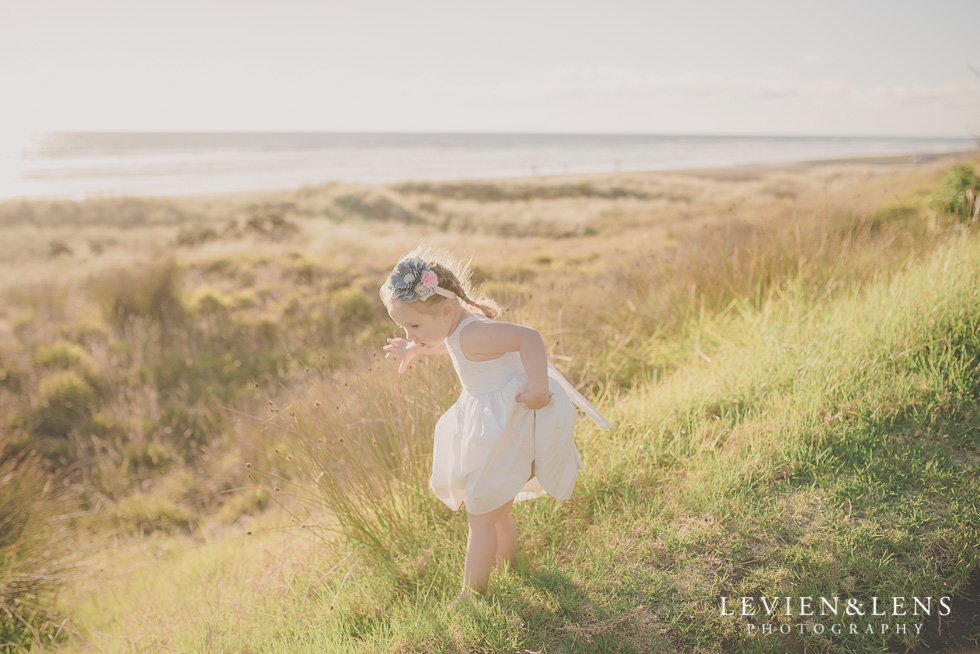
{"points": [[826, 451], [789, 354]]}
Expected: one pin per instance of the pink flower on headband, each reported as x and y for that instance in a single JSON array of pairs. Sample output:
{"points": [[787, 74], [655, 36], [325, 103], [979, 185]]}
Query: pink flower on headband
{"points": [[429, 279]]}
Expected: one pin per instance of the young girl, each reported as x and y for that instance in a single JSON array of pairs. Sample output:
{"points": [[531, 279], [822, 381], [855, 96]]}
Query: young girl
{"points": [[509, 436]]}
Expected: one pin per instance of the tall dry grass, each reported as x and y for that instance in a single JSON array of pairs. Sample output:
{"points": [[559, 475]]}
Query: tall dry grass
{"points": [[354, 446], [129, 369], [365, 454], [35, 565]]}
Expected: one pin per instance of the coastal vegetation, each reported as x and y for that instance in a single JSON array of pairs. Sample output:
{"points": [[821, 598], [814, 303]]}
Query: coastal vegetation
{"points": [[202, 449]]}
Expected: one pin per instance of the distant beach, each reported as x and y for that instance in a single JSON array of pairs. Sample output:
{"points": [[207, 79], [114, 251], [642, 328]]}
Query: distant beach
{"points": [[78, 165]]}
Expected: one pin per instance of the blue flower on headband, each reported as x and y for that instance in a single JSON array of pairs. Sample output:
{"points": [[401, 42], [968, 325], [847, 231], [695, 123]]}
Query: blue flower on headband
{"points": [[406, 280]]}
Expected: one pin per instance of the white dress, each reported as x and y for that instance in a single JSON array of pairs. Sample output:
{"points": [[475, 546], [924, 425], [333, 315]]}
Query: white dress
{"points": [[485, 443]]}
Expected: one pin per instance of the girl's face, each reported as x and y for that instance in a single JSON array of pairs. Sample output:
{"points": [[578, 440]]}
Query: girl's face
{"points": [[426, 329]]}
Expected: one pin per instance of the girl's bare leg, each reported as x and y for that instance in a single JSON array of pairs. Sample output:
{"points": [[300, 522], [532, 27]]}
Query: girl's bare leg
{"points": [[506, 542], [481, 548], [492, 536], [507, 537]]}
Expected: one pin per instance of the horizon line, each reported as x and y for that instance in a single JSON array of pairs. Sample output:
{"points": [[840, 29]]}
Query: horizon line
{"points": [[495, 133]]}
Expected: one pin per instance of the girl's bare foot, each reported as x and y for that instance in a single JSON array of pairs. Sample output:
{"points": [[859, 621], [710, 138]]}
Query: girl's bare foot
{"points": [[463, 597]]}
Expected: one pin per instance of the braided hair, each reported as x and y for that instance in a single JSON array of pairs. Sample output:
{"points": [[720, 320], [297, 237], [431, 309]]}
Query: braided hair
{"points": [[454, 275]]}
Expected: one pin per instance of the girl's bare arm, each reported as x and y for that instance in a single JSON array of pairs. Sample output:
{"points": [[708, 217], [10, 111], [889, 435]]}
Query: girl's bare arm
{"points": [[491, 337], [399, 348]]}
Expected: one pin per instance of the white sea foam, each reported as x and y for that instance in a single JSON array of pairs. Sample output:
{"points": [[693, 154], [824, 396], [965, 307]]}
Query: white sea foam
{"points": [[83, 164]]}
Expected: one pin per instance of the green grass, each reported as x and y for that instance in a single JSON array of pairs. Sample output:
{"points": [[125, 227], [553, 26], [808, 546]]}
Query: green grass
{"points": [[35, 557], [828, 450], [796, 405], [812, 448]]}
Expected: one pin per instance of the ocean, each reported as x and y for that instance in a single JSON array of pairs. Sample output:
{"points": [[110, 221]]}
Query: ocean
{"points": [[85, 164]]}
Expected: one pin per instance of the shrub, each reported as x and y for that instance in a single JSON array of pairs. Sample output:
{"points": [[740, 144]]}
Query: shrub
{"points": [[207, 301], [138, 457], [12, 377], [151, 512], [959, 195], [193, 236], [32, 549], [352, 305], [244, 299], [151, 292], [86, 326], [66, 400], [65, 356]]}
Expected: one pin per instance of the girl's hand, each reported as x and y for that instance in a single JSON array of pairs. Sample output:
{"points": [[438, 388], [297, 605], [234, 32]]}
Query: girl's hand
{"points": [[397, 348], [534, 401]]}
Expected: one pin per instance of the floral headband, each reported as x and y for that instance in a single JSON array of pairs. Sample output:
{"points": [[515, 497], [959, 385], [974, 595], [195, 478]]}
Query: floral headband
{"points": [[412, 280]]}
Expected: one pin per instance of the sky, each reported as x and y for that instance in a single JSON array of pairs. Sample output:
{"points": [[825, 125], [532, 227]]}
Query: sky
{"points": [[751, 67]]}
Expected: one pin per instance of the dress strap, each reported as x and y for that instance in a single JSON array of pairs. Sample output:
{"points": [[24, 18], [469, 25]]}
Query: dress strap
{"points": [[579, 400], [459, 328]]}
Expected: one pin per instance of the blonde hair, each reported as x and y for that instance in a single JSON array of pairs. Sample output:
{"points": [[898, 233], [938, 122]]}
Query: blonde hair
{"points": [[453, 275]]}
